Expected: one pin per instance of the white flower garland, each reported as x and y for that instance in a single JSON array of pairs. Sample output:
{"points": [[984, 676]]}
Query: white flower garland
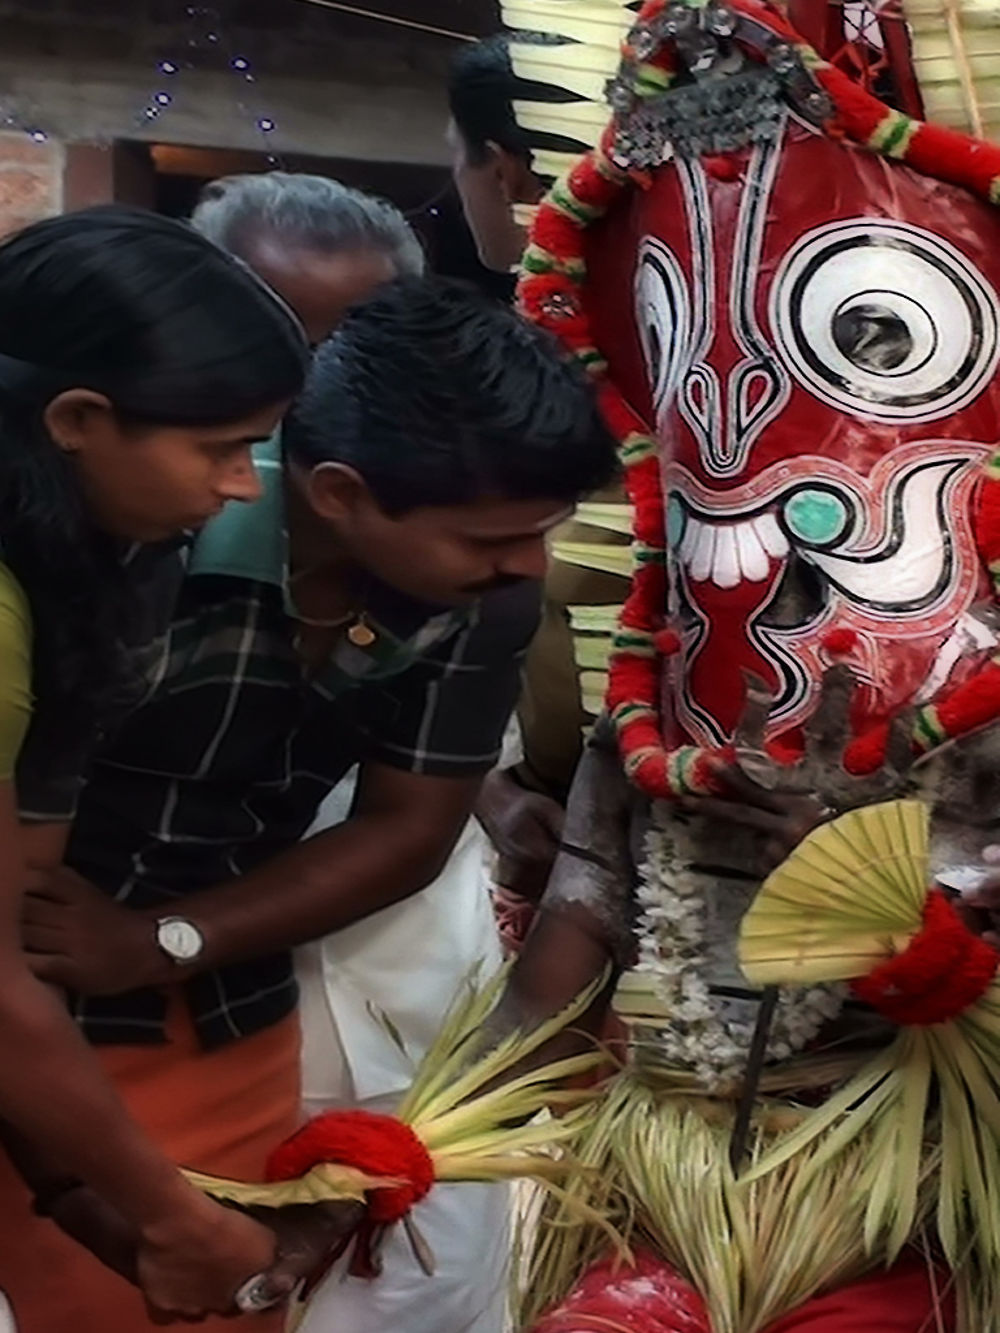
{"points": [[672, 939]]}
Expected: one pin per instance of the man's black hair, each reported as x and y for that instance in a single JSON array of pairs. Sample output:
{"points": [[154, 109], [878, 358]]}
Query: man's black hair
{"points": [[437, 395], [482, 90]]}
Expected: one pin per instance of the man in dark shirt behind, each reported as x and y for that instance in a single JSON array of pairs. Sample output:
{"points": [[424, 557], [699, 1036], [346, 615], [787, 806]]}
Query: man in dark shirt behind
{"points": [[372, 608], [494, 160]]}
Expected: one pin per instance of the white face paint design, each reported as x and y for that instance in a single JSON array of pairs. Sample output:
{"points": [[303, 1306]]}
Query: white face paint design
{"points": [[726, 410], [878, 319]]}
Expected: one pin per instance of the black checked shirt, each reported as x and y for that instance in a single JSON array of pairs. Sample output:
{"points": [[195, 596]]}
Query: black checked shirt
{"points": [[227, 761]]}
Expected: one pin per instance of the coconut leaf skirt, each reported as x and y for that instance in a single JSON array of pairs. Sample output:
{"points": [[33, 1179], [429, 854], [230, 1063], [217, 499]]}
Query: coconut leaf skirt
{"points": [[654, 1159]]}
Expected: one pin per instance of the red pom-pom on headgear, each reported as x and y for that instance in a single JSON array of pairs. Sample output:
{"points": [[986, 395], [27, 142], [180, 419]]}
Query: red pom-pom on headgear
{"points": [[840, 642], [667, 642]]}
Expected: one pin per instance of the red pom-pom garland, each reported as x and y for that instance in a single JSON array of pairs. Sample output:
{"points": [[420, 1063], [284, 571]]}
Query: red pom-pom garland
{"points": [[944, 970], [378, 1145]]}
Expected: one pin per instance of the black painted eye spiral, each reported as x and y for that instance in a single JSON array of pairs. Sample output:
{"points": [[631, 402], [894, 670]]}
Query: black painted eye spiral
{"points": [[885, 320]]}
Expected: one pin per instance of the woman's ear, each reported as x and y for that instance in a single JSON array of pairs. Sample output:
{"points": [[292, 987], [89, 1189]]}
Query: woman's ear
{"points": [[74, 417]]}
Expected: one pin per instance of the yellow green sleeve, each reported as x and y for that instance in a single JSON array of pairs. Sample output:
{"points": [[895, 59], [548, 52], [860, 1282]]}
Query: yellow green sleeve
{"points": [[15, 671]]}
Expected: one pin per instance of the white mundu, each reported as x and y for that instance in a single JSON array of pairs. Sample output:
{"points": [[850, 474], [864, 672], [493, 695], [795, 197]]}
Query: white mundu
{"points": [[407, 963]]}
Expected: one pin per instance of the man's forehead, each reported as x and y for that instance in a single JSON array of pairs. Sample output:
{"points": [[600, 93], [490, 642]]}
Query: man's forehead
{"points": [[512, 518]]}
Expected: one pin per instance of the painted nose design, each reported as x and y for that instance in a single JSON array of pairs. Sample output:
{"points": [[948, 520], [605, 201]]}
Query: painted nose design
{"points": [[728, 414]]}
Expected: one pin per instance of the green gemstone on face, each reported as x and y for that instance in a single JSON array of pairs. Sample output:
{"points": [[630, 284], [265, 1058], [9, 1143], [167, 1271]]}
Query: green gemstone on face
{"points": [[817, 517], [676, 522]]}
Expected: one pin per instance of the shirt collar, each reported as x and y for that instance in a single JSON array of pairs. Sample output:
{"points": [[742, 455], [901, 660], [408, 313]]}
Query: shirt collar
{"points": [[249, 541]]}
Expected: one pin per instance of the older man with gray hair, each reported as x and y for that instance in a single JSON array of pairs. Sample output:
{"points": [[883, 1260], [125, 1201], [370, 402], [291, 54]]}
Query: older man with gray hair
{"points": [[324, 248], [321, 245]]}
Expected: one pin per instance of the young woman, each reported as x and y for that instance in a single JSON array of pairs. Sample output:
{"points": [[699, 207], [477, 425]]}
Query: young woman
{"points": [[138, 363]]}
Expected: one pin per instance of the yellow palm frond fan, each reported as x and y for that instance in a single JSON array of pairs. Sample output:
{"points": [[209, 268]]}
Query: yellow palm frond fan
{"points": [[855, 902], [850, 897]]}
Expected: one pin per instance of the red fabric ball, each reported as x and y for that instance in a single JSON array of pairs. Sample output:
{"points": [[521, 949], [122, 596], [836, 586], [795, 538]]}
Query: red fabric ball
{"points": [[866, 754], [651, 775], [588, 186], [950, 155], [557, 234], [943, 971], [987, 520], [724, 168], [972, 704], [552, 300], [667, 642], [841, 641], [858, 111], [621, 419], [379, 1145]]}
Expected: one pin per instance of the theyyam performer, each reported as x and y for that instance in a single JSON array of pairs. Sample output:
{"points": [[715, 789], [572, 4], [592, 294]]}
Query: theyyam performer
{"points": [[789, 295]]}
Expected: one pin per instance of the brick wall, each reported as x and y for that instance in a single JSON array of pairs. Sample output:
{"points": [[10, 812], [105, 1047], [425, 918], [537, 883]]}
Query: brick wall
{"points": [[30, 181]]}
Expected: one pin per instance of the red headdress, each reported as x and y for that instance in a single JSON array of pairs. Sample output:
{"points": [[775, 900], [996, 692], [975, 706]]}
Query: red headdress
{"points": [[857, 464]]}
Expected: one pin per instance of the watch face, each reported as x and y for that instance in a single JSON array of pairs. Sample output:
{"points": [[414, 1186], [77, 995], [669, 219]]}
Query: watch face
{"points": [[180, 939]]}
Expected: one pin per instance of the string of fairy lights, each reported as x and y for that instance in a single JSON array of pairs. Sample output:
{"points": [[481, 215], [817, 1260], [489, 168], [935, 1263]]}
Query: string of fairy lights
{"points": [[205, 38], [208, 34]]}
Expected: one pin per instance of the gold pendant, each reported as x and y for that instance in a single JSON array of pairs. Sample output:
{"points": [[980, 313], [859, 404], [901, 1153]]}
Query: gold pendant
{"points": [[361, 634]]}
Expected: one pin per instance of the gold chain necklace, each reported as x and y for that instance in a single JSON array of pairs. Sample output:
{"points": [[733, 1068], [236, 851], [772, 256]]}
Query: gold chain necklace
{"points": [[360, 633]]}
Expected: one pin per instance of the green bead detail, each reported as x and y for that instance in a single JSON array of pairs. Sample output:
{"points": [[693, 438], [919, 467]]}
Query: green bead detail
{"points": [[566, 201], [930, 733], [648, 555], [816, 516], [636, 449], [896, 134], [535, 260]]}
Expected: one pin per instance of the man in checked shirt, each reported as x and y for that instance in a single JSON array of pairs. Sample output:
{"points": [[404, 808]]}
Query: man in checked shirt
{"points": [[373, 608]]}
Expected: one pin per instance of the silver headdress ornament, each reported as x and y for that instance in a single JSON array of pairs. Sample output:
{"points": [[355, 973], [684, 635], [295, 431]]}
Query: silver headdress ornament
{"points": [[726, 100]]}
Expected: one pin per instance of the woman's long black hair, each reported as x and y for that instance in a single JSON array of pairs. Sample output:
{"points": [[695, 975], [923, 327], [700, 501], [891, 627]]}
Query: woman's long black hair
{"points": [[173, 332]]}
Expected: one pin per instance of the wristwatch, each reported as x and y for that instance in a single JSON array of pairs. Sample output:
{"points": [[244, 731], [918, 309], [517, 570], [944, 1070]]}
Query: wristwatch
{"points": [[179, 939]]}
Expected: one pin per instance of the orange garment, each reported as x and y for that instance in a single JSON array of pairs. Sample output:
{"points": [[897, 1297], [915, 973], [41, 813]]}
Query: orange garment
{"points": [[219, 1111]]}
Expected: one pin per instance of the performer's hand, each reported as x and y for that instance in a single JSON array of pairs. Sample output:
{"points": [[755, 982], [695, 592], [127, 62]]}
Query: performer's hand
{"points": [[783, 819], [76, 937], [981, 909], [525, 828], [310, 1238]]}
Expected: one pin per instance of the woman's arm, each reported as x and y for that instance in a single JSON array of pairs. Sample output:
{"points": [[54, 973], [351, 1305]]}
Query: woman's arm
{"points": [[192, 1254]]}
